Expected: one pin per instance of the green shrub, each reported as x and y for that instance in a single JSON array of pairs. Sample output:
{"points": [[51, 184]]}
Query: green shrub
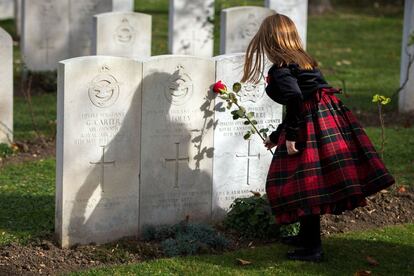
{"points": [[5, 150], [252, 218], [186, 238]]}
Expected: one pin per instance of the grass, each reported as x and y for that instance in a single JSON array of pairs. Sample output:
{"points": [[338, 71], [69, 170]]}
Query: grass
{"points": [[27, 190], [27, 201], [368, 40], [346, 254]]}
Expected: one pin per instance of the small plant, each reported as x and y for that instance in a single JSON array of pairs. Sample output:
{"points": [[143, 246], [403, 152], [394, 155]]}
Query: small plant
{"points": [[252, 217], [381, 100], [186, 238], [5, 150]]}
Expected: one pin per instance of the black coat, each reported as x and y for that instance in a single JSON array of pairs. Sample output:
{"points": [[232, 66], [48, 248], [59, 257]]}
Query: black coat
{"points": [[290, 86]]}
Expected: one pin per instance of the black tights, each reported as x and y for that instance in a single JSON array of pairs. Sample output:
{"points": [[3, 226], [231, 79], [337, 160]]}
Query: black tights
{"points": [[310, 231]]}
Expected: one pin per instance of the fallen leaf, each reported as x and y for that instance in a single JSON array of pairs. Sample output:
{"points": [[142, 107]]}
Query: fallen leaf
{"points": [[243, 262], [257, 194], [402, 190], [372, 261], [363, 273]]}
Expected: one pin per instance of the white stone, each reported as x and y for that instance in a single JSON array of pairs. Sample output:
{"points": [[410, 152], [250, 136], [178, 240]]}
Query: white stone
{"points": [[81, 24], [406, 97], [123, 5], [240, 166], [98, 149], [191, 29], [297, 10], [177, 140], [6, 9], [239, 25], [124, 34], [6, 87], [44, 40], [18, 16]]}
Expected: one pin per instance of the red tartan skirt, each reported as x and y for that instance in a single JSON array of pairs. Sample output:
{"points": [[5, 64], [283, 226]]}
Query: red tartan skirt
{"points": [[336, 169]]}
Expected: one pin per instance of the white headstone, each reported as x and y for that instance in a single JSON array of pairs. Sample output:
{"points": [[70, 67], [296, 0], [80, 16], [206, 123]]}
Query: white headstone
{"points": [[45, 30], [6, 9], [123, 5], [239, 25], [81, 24], [18, 16], [297, 10], [177, 140], [191, 29], [240, 166], [98, 149], [406, 97], [124, 34], [6, 87]]}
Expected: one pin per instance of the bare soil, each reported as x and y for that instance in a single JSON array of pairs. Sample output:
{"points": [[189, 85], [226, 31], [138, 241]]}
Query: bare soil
{"points": [[44, 257]]}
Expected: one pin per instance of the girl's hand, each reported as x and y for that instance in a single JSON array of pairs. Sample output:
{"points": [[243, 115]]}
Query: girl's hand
{"points": [[269, 144], [291, 148]]}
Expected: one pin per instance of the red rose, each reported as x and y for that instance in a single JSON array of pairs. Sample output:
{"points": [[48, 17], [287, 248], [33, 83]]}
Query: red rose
{"points": [[219, 87]]}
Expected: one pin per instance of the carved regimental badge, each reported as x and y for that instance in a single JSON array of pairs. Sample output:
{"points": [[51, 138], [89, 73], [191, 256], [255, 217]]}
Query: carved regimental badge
{"points": [[251, 92], [125, 33], [250, 28], [179, 87], [104, 89]]}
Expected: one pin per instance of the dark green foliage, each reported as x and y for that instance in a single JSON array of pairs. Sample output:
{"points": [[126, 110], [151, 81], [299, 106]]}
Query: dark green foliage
{"points": [[186, 238], [43, 81], [5, 150], [289, 230], [252, 217]]}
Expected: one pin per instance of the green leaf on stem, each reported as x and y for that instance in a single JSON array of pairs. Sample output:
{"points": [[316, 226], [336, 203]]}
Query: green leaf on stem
{"points": [[252, 130], [263, 130], [250, 115], [237, 87], [254, 122], [247, 135], [240, 112], [246, 123]]}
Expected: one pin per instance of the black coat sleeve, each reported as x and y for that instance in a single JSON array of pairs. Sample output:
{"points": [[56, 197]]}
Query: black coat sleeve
{"points": [[284, 89]]}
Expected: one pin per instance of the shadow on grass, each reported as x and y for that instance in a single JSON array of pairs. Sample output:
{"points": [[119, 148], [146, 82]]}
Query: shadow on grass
{"points": [[23, 217], [343, 256]]}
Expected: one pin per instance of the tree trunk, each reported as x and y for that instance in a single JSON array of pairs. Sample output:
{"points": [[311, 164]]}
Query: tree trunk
{"points": [[320, 6]]}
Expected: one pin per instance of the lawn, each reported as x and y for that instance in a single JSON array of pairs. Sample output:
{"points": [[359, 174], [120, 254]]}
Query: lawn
{"points": [[360, 47], [391, 247]]}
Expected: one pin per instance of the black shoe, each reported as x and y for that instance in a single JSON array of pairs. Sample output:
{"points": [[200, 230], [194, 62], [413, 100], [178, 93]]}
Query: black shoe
{"points": [[292, 240], [306, 254]]}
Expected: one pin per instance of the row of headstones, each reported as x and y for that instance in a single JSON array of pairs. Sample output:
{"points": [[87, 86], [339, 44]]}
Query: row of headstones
{"points": [[147, 143], [45, 38]]}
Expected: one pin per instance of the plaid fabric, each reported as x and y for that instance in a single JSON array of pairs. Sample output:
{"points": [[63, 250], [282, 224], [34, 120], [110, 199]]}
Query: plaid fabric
{"points": [[337, 166]]}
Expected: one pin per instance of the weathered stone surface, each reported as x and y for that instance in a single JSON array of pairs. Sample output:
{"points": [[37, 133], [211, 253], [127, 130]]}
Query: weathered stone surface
{"points": [[98, 149], [124, 34], [177, 140], [6, 87]]}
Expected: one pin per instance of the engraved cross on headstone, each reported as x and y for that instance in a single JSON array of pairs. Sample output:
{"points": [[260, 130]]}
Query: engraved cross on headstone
{"points": [[248, 157], [103, 163], [177, 160]]}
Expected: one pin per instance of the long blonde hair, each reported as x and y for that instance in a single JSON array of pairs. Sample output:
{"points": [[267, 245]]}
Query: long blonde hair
{"points": [[278, 39]]}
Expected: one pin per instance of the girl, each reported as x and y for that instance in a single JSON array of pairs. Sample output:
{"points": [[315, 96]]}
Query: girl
{"points": [[324, 162]]}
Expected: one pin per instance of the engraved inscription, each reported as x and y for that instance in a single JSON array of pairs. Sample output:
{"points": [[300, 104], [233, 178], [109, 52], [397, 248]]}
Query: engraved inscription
{"points": [[104, 89], [102, 164], [125, 33], [248, 156], [179, 87], [177, 160], [248, 30], [251, 92]]}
